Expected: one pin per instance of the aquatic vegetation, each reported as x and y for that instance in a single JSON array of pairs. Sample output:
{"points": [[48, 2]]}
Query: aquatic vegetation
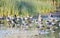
{"points": [[24, 15], [25, 7]]}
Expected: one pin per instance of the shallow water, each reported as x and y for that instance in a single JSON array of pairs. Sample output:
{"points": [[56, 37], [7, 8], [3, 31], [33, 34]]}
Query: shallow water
{"points": [[15, 33]]}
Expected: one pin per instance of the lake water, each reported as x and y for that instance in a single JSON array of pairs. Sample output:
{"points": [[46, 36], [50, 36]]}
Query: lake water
{"points": [[8, 33]]}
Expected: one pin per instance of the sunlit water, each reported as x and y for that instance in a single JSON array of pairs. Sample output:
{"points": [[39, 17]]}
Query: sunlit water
{"points": [[15, 33], [8, 33]]}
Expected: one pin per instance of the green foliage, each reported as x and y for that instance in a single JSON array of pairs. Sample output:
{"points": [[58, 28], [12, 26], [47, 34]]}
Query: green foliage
{"points": [[25, 7]]}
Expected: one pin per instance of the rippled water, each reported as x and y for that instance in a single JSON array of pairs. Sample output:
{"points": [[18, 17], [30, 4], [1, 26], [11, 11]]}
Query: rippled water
{"points": [[16, 32]]}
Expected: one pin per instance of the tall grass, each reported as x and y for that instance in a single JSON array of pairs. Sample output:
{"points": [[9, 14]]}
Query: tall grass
{"points": [[25, 7]]}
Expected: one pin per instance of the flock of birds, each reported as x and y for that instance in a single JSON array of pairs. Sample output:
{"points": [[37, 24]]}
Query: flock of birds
{"points": [[29, 22]]}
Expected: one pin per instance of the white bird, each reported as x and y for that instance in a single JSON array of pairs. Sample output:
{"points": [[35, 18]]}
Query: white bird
{"points": [[30, 17], [59, 23], [59, 33], [56, 27], [26, 18], [52, 31], [53, 23]]}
